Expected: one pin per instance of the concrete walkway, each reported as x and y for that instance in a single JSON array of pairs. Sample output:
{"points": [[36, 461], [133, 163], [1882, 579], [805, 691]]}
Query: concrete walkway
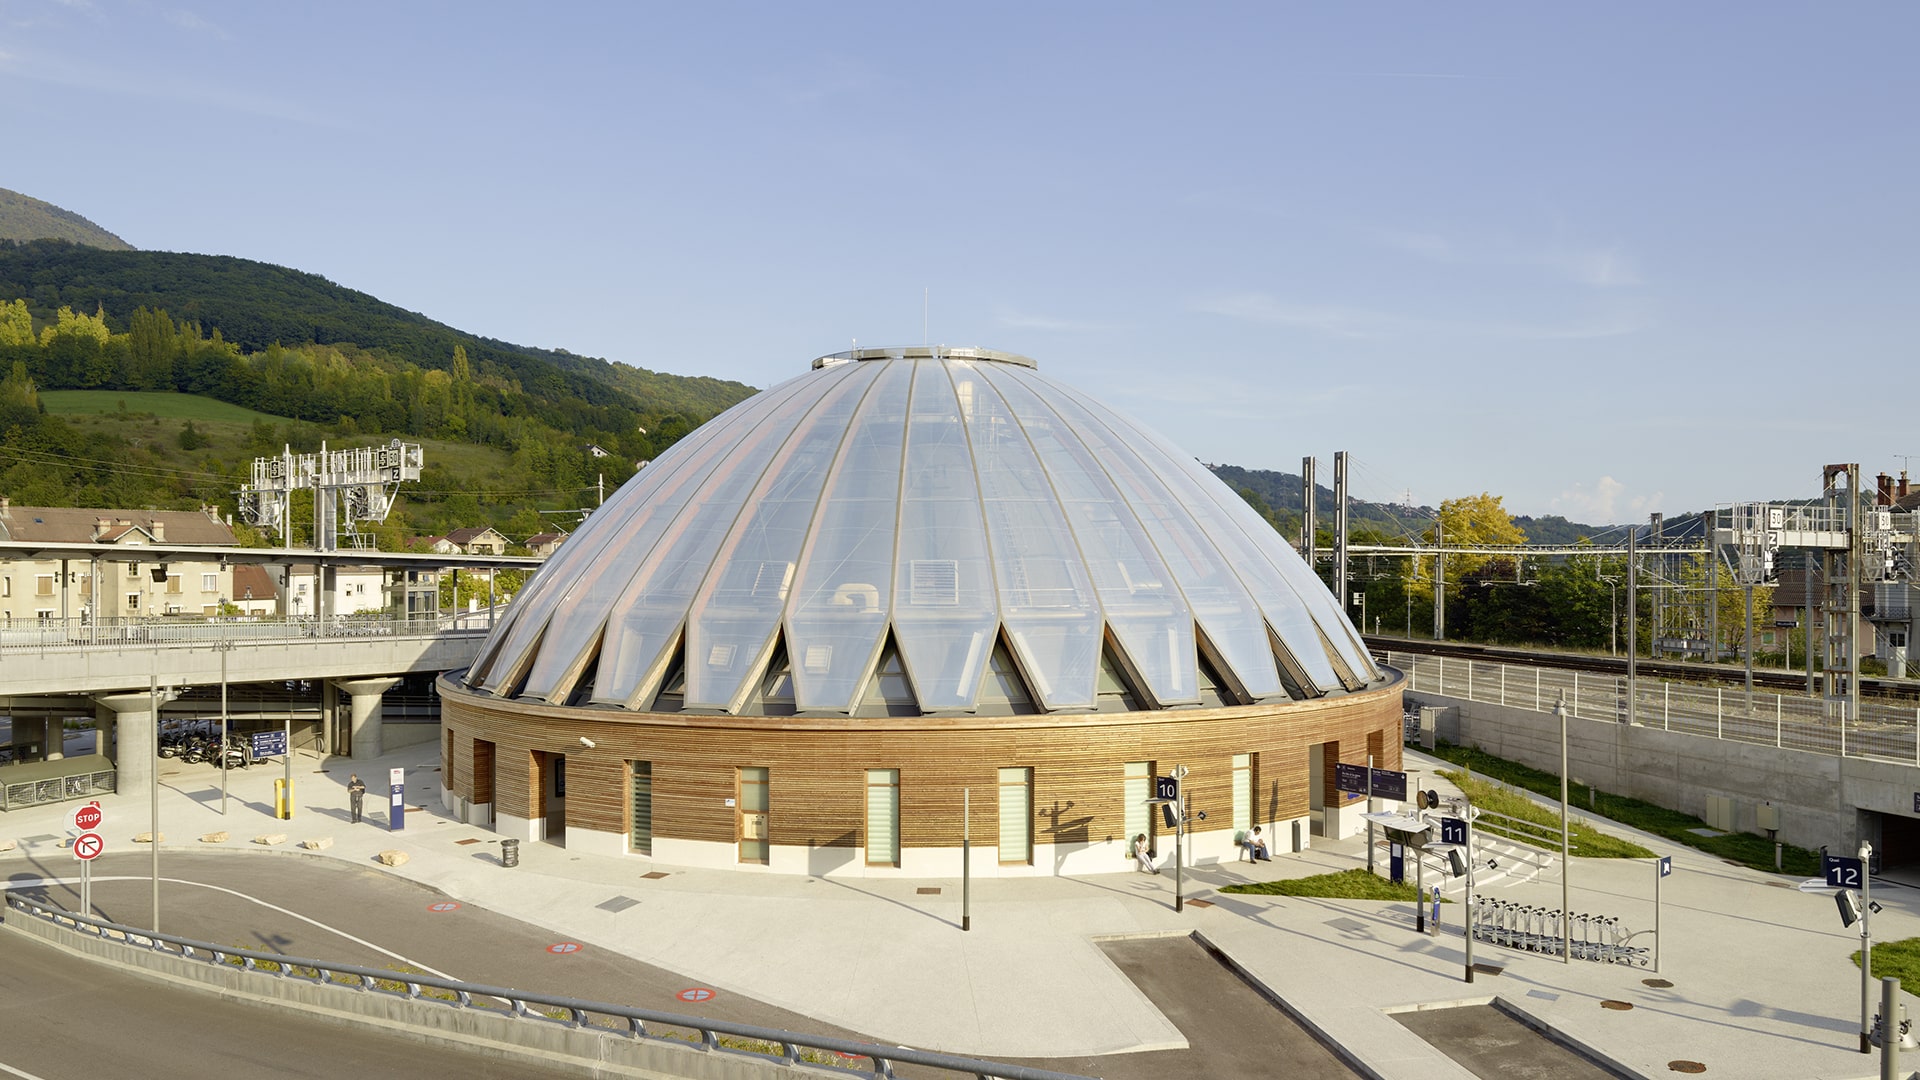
{"points": [[1762, 987]]}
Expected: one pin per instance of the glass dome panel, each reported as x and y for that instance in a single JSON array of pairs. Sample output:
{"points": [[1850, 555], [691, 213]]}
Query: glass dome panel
{"points": [[944, 607], [1146, 613], [1217, 597], [649, 614], [1046, 601], [844, 587], [612, 545], [737, 609]]}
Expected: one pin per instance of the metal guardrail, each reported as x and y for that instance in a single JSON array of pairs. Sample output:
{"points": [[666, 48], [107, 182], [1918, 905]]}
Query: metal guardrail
{"points": [[189, 630], [1880, 732], [713, 1035]]}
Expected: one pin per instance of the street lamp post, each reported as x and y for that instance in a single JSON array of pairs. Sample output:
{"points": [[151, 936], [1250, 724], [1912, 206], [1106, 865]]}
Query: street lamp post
{"points": [[1566, 907], [225, 646]]}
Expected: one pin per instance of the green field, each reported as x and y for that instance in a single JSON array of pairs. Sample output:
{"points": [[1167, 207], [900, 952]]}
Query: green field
{"points": [[163, 404]]}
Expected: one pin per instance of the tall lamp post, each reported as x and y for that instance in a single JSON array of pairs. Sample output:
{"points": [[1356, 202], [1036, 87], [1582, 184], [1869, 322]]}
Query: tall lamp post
{"points": [[225, 645], [1566, 907]]}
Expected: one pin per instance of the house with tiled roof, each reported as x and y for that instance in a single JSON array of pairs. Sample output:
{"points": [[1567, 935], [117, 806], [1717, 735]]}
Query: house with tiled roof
{"points": [[546, 543], [116, 587]]}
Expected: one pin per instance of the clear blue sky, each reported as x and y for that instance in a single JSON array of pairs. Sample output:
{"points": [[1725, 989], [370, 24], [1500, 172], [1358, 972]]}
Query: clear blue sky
{"points": [[1598, 260]]}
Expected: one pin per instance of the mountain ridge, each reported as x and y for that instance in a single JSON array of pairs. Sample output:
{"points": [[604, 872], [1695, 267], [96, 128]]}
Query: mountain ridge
{"points": [[23, 217]]}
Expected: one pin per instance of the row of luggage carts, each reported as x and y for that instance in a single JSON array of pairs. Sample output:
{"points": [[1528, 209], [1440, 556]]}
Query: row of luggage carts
{"points": [[1597, 938]]}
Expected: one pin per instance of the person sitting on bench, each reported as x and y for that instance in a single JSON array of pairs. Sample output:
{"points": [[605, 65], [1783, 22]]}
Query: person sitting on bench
{"points": [[1256, 846]]}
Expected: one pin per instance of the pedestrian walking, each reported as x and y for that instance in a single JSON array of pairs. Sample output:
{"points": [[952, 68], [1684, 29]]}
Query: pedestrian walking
{"points": [[356, 794]]}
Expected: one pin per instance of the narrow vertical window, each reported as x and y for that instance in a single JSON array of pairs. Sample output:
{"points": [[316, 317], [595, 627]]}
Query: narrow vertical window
{"points": [[641, 833], [1136, 789], [883, 817], [753, 815], [1016, 816], [1242, 793]]}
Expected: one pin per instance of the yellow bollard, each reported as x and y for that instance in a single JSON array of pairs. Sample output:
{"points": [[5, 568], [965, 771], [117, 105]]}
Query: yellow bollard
{"points": [[283, 799]]}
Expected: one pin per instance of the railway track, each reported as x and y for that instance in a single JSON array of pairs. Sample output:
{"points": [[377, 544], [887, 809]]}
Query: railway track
{"points": [[1771, 680]]}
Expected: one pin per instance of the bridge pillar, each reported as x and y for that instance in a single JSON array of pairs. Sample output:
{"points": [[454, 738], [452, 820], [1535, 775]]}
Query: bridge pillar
{"points": [[127, 732], [364, 726]]}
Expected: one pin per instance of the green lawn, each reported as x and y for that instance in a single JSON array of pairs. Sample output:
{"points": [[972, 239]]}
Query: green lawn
{"points": [[1344, 885], [166, 405], [1900, 959]]}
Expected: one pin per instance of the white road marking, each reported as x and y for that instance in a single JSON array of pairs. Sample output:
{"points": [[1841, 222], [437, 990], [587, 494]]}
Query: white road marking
{"points": [[16, 882], [21, 1073]]}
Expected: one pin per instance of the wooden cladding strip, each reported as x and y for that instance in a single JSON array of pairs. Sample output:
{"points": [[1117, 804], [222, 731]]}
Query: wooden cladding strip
{"points": [[817, 769]]}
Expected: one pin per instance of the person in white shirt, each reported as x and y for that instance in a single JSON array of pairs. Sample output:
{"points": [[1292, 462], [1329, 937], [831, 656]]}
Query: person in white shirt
{"points": [[1257, 845], [1143, 854]]}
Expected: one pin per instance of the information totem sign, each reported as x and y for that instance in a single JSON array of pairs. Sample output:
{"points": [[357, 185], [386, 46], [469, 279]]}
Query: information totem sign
{"points": [[397, 781]]}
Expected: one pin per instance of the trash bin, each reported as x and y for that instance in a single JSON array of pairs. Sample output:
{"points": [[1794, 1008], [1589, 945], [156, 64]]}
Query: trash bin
{"points": [[509, 852]]}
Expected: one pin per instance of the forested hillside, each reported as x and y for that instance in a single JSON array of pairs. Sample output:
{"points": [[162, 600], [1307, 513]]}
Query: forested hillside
{"points": [[1277, 496], [23, 217], [255, 305]]}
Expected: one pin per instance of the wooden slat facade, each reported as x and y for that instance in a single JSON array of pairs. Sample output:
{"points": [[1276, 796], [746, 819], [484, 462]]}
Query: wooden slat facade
{"points": [[817, 767]]}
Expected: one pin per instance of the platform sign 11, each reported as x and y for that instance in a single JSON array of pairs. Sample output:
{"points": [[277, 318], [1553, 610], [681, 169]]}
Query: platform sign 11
{"points": [[1453, 830]]}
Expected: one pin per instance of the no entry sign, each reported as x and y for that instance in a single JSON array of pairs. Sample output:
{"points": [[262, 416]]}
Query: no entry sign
{"points": [[695, 993]]}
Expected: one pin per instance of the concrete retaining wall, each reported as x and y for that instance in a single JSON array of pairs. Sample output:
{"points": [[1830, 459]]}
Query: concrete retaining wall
{"points": [[531, 1041], [1820, 797]]}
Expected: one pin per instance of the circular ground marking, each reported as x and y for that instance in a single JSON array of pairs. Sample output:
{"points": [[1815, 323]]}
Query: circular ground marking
{"points": [[1657, 984], [1686, 1067], [695, 993], [564, 948], [1618, 1006], [444, 905]]}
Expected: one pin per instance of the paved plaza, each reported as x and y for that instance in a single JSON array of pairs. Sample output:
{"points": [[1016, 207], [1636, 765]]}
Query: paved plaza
{"points": [[1761, 985]]}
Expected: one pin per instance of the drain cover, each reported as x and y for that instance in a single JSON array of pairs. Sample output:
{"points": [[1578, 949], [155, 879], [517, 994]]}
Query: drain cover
{"points": [[1657, 984], [927, 890], [1618, 1006], [468, 840], [618, 903], [1686, 1067], [1199, 903], [654, 876]]}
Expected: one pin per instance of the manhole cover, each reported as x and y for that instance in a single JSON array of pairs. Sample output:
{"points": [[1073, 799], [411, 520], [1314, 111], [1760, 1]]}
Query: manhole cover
{"points": [[1199, 903], [468, 840], [654, 876], [1686, 1067], [1657, 984], [618, 903], [1617, 1006], [928, 890]]}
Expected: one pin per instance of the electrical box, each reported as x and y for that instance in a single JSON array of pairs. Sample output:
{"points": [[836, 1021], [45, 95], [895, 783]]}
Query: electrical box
{"points": [[753, 826], [1719, 813], [1766, 817]]}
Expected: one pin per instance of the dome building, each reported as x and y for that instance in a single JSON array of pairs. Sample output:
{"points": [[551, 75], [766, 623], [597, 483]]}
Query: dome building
{"points": [[912, 597]]}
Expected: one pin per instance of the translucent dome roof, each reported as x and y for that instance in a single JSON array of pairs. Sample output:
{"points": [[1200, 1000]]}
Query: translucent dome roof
{"points": [[931, 521]]}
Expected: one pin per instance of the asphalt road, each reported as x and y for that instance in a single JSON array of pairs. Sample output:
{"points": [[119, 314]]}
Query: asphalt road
{"points": [[68, 1018]]}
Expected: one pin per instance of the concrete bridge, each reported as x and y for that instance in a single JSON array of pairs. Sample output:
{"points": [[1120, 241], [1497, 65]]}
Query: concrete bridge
{"points": [[125, 674]]}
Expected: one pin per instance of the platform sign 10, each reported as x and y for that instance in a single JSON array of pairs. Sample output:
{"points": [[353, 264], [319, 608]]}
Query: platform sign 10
{"points": [[1843, 872]]}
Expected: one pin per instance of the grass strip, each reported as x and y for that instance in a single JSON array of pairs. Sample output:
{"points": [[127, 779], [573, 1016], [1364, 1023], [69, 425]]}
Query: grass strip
{"points": [[1345, 885], [1741, 849], [1582, 838]]}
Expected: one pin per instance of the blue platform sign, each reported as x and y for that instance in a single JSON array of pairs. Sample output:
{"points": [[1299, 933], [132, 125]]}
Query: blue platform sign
{"points": [[1166, 787], [1842, 872], [398, 818], [1350, 778], [1389, 784], [268, 744], [1453, 830], [1666, 866]]}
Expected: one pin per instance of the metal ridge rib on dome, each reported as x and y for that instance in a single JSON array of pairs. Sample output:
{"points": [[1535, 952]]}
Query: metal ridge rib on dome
{"points": [[925, 352], [924, 524]]}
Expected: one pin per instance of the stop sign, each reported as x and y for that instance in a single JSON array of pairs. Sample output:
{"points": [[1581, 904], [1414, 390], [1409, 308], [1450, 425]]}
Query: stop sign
{"points": [[88, 818]]}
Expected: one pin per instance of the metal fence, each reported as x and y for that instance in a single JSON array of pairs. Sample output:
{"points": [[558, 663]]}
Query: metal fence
{"points": [[716, 1036], [56, 789], [1883, 731], [189, 630]]}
